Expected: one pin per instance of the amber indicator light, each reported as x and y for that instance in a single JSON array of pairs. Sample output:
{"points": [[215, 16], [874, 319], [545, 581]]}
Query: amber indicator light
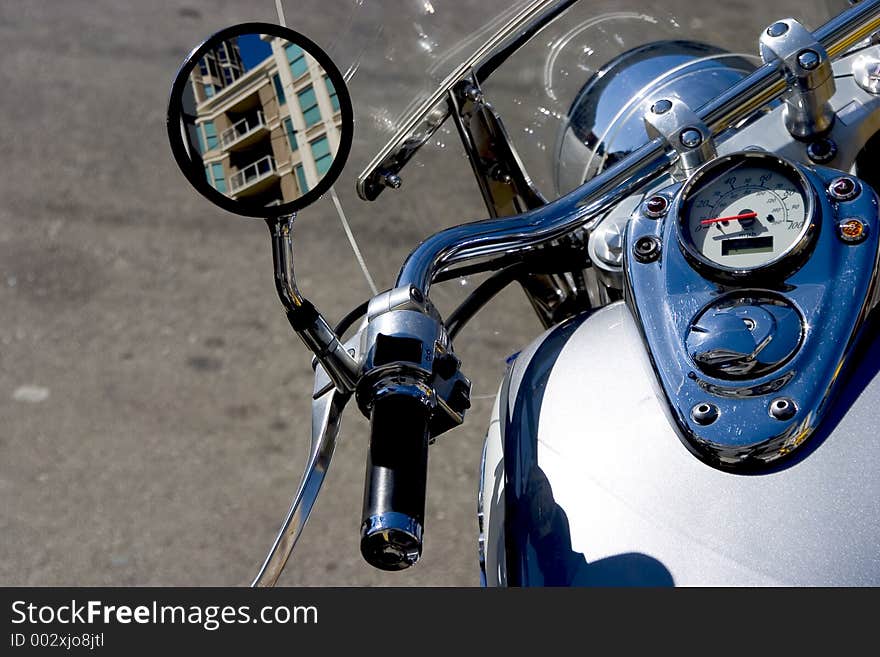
{"points": [[852, 230]]}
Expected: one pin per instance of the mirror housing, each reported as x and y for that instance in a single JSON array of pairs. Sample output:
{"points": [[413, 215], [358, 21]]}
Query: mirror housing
{"points": [[260, 120]]}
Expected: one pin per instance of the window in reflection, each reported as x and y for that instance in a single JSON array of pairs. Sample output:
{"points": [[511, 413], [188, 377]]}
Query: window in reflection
{"points": [[308, 102], [321, 153], [250, 139]]}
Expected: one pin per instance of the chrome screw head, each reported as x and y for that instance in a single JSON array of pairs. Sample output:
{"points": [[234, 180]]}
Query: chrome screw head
{"points": [[474, 95], [705, 413], [661, 106], [690, 138], [646, 249], [777, 29], [821, 150], [782, 408], [808, 59], [392, 180]]}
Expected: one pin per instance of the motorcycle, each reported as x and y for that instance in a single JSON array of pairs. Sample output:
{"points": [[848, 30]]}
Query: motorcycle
{"points": [[701, 407]]}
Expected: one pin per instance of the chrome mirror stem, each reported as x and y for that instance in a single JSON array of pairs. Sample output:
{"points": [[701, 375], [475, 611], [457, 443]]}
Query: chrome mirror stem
{"points": [[310, 325]]}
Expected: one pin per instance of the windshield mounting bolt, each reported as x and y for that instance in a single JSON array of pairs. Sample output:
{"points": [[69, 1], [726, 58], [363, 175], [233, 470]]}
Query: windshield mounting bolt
{"points": [[821, 150], [392, 180], [782, 408], [777, 29], [808, 59], [705, 413], [661, 106], [474, 94], [499, 173], [690, 138]]}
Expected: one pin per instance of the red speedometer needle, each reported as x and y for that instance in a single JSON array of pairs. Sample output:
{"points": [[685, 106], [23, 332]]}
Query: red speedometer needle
{"points": [[744, 215]]}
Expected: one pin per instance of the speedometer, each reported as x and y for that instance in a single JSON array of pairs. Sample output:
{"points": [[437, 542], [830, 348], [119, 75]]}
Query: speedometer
{"points": [[746, 213]]}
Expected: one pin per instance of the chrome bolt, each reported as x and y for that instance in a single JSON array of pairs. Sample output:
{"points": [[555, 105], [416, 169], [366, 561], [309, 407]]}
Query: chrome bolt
{"points": [[843, 189], [436, 117], [782, 408], [866, 72], [808, 59], [777, 29], [474, 95], [822, 150], [705, 413], [392, 180], [690, 138], [656, 206], [661, 106], [647, 249]]}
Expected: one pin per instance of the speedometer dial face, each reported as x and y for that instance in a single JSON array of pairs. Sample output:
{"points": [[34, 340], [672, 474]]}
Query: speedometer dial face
{"points": [[745, 213]]}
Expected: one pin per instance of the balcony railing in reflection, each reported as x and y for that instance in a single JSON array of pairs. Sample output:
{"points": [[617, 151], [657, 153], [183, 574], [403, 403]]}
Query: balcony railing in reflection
{"points": [[252, 174], [241, 129]]}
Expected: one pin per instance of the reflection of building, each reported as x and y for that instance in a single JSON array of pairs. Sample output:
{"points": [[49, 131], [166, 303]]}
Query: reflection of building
{"points": [[267, 134]]}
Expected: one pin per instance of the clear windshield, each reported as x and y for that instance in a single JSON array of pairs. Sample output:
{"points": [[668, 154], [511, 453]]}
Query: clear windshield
{"points": [[397, 53]]}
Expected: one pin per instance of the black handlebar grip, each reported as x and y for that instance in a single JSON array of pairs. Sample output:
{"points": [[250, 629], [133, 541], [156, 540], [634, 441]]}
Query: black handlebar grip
{"points": [[394, 491]]}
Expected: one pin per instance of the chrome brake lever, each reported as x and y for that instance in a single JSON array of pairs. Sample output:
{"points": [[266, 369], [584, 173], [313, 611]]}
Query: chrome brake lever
{"points": [[326, 415]]}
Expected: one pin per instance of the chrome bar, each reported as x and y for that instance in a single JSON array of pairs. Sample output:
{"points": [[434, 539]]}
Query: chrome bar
{"points": [[586, 203]]}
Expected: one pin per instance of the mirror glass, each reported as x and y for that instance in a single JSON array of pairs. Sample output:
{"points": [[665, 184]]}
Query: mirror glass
{"points": [[260, 120]]}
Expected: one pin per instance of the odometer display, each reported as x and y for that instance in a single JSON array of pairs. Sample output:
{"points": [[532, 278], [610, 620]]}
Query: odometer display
{"points": [[744, 212], [739, 245]]}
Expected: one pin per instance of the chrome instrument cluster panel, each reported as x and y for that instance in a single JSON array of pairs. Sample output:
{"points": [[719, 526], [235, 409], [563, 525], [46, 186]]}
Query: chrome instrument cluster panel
{"points": [[750, 282]]}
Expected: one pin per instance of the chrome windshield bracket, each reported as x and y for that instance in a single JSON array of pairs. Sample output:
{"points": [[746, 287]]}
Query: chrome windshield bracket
{"points": [[673, 121], [504, 183], [807, 67]]}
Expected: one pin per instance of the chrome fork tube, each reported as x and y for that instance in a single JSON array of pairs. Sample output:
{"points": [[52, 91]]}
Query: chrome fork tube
{"points": [[583, 205]]}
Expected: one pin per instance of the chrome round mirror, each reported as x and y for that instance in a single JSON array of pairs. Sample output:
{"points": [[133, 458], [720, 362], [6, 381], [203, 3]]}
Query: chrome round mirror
{"points": [[260, 120]]}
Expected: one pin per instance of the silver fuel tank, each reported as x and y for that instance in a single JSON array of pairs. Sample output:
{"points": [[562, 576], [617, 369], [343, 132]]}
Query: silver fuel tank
{"points": [[585, 481]]}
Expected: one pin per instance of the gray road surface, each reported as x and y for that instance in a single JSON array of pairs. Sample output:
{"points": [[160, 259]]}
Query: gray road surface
{"points": [[154, 404]]}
